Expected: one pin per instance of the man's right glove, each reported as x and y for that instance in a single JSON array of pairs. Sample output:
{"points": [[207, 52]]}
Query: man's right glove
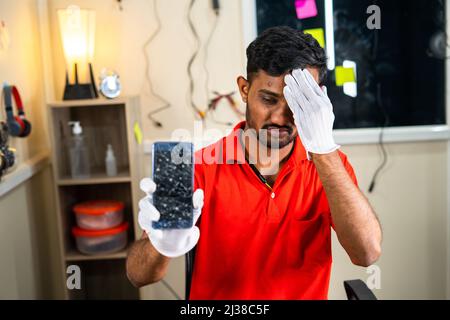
{"points": [[312, 110], [169, 242]]}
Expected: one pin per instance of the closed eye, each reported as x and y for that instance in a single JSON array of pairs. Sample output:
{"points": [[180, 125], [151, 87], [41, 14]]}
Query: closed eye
{"points": [[269, 100]]}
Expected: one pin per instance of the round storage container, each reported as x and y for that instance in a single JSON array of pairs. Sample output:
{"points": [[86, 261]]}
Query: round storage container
{"points": [[101, 241], [99, 214]]}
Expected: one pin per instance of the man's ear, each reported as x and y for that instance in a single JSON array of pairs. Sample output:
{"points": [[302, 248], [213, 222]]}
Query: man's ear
{"points": [[244, 87]]}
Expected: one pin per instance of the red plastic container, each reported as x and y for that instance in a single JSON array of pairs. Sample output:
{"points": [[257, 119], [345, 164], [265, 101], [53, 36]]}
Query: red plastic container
{"points": [[99, 214], [94, 242]]}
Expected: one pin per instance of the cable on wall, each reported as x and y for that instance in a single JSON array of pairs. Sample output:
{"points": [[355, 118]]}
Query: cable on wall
{"points": [[380, 140], [380, 105], [198, 112], [172, 291], [119, 5], [146, 45], [206, 53]]}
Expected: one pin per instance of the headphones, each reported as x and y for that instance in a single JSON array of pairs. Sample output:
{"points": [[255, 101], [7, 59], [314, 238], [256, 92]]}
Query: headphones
{"points": [[18, 126]]}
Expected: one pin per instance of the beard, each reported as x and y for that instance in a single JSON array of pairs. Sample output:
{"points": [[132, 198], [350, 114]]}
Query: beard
{"points": [[272, 135], [269, 137]]}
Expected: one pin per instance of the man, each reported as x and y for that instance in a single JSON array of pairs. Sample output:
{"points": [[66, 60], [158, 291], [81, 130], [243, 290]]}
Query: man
{"points": [[265, 228]]}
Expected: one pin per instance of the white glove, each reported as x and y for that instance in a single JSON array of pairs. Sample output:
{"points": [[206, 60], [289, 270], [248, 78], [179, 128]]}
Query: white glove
{"points": [[169, 242], [312, 110]]}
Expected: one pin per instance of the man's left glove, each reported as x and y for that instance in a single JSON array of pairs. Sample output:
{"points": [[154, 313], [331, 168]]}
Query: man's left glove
{"points": [[169, 242], [312, 110]]}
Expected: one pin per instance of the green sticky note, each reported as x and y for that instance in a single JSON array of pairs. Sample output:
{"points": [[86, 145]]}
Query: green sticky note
{"points": [[344, 75], [137, 133], [317, 34]]}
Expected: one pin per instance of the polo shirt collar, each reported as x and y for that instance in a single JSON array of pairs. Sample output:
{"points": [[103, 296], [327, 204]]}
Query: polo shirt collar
{"points": [[233, 143]]}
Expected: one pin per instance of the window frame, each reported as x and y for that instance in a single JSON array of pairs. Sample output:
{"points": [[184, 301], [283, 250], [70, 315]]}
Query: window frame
{"points": [[365, 135]]}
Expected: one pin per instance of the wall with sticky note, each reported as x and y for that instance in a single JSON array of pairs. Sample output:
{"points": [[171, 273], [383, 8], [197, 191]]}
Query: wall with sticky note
{"points": [[344, 75], [317, 34], [305, 8], [407, 73]]}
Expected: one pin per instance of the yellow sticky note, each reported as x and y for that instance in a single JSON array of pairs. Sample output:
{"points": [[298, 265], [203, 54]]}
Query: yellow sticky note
{"points": [[137, 133], [317, 34], [344, 75]]}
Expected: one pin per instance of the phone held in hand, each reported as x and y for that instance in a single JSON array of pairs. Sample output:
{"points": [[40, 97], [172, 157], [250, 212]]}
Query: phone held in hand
{"points": [[173, 173]]}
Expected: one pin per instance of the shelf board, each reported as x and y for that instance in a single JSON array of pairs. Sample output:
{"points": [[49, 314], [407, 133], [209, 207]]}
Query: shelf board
{"points": [[74, 255], [88, 103], [96, 178]]}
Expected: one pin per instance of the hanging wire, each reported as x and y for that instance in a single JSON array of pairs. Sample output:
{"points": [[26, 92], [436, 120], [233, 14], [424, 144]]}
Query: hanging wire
{"points": [[147, 43], [205, 59], [380, 140], [169, 287], [380, 105], [198, 112], [213, 103], [205, 67], [119, 3]]}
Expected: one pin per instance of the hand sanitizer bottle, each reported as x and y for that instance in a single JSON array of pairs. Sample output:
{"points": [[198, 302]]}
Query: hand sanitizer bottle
{"points": [[110, 162], [78, 152]]}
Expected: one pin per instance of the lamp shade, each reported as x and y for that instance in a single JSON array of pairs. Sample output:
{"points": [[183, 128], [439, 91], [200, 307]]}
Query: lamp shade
{"points": [[77, 28]]}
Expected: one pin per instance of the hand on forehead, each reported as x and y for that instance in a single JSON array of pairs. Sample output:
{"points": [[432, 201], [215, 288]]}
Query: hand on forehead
{"points": [[314, 73], [304, 82]]}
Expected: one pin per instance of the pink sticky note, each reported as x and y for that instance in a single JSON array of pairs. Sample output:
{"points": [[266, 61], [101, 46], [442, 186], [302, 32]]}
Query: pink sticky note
{"points": [[306, 8]]}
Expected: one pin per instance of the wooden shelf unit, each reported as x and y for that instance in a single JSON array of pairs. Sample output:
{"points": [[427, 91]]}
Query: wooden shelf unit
{"points": [[103, 121], [74, 255], [96, 179]]}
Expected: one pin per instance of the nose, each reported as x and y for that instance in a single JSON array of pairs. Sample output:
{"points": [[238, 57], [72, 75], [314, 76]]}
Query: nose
{"points": [[282, 115]]}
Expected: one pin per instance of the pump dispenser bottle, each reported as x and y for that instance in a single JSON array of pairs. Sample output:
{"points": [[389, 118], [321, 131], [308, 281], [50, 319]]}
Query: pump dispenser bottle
{"points": [[78, 152]]}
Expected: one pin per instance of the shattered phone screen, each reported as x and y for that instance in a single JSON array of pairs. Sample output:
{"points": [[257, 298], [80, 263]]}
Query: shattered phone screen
{"points": [[173, 173]]}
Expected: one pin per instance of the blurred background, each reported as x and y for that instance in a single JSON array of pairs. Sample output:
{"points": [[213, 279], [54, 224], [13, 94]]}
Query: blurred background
{"points": [[147, 68]]}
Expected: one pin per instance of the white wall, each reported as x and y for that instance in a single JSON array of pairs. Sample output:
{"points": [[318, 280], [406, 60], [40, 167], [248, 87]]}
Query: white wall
{"points": [[29, 267], [21, 65], [410, 199], [120, 38], [26, 264]]}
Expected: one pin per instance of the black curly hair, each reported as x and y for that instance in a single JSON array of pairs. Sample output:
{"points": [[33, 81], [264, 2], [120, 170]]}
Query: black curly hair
{"points": [[278, 50]]}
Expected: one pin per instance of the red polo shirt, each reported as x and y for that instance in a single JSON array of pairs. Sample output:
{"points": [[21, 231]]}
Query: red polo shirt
{"points": [[258, 243]]}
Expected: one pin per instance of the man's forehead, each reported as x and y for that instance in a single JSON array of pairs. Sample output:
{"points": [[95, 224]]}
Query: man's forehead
{"points": [[267, 81], [276, 82]]}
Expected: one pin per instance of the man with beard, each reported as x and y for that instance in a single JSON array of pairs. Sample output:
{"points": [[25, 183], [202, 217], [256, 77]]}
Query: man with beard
{"points": [[264, 211]]}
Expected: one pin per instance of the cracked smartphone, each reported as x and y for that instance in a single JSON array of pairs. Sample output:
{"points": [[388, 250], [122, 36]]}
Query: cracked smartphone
{"points": [[173, 173]]}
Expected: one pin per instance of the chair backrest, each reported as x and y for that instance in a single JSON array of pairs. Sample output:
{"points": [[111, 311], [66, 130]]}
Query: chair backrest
{"points": [[358, 290], [189, 268]]}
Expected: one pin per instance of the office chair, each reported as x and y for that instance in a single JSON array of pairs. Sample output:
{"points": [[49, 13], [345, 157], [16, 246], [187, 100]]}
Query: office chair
{"points": [[358, 290], [355, 289], [189, 268]]}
